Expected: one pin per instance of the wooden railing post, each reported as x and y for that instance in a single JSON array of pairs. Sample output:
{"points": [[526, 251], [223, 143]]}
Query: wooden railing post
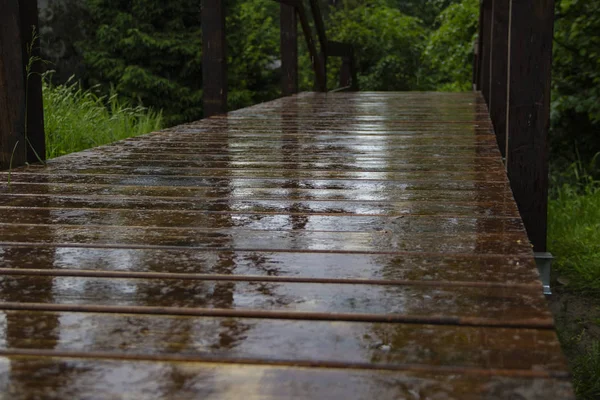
{"points": [[22, 136], [346, 72], [322, 37], [36, 138], [13, 147], [214, 57], [477, 62], [486, 49], [531, 25], [499, 70], [289, 49]]}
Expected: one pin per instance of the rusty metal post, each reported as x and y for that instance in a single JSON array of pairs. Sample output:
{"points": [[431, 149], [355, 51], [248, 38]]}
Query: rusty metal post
{"points": [[289, 50], [214, 58], [530, 59]]}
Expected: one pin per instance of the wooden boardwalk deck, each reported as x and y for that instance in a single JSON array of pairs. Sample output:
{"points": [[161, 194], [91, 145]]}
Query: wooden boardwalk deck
{"points": [[351, 246]]}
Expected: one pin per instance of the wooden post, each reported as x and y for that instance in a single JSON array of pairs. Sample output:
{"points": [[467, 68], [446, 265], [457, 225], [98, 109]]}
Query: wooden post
{"points": [[36, 140], [475, 64], [499, 71], [289, 49], [214, 58], [322, 38], [486, 38], [12, 88], [530, 53], [478, 54], [346, 72]]}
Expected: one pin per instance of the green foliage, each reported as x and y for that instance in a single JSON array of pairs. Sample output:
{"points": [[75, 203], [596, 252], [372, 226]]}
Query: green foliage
{"points": [[77, 119], [426, 10], [253, 37], [586, 371], [574, 229], [576, 79], [448, 56], [149, 51], [387, 43]]}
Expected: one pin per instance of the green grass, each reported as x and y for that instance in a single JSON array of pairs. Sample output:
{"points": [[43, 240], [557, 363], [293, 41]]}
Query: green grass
{"points": [[586, 373], [78, 119], [574, 232], [574, 241]]}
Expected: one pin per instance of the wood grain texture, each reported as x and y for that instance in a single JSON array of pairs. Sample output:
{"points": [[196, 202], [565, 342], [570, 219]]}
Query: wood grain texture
{"points": [[529, 113], [345, 245]]}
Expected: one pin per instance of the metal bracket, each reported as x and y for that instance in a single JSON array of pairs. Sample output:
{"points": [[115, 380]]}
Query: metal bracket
{"points": [[544, 265]]}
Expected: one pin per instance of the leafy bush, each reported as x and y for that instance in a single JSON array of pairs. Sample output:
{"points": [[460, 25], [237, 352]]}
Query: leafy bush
{"points": [[149, 51], [77, 119], [574, 229], [448, 56], [576, 80], [388, 43], [253, 38]]}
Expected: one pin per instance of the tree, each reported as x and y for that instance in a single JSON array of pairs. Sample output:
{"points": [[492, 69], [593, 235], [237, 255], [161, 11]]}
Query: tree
{"points": [[387, 43], [151, 52], [576, 80], [448, 55]]}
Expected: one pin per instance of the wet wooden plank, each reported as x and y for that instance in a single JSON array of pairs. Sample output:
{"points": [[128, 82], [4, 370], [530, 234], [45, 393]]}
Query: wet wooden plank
{"points": [[469, 165], [267, 222], [190, 183], [251, 240], [420, 304], [316, 191], [487, 176], [356, 238], [210, 138], [507, 269], [386, 345], [37, 376], [311, 207]]}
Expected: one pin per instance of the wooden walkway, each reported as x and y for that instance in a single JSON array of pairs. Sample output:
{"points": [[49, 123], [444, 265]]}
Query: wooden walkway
{"points": [[324, 246]]}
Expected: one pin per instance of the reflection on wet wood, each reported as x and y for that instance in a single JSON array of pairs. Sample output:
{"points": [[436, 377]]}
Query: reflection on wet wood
{"points": [[79, 377], [294, 340], [361, 245]]}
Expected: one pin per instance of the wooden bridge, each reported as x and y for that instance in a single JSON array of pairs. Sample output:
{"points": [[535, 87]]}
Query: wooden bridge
{"points": [[324, 245]]}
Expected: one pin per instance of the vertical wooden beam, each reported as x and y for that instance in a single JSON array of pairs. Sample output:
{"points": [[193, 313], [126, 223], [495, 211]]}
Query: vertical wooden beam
{"points": [[317, 63], [289, 49], [499, 71], [530, 46], [214, 58], [346, 72], [321, 36], [478, 58], [475, 63], [12, 88], [36, 140], [486, 37]]}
